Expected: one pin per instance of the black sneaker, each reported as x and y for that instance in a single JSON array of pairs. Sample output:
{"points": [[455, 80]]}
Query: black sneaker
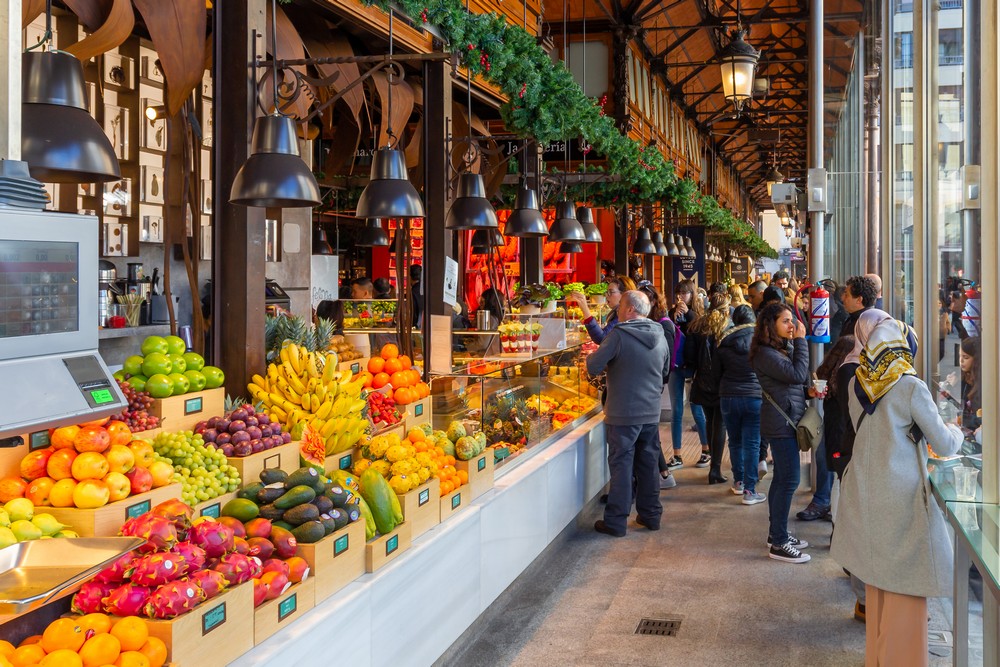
{"points": [[674, 462], [787, 553], [704, 461], [813, 512], [794, 541]]}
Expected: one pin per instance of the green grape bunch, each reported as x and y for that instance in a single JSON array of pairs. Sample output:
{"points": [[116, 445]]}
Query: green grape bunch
{"points": [[203, 472]]}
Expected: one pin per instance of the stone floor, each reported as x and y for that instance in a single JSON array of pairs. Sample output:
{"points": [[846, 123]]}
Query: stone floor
{"points": [[579, 603]]}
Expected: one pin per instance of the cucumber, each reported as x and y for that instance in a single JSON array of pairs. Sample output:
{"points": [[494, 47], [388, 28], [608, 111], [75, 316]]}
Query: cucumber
{"points": [[273, 476], [300, 514], [297, 495], [309, 532]]}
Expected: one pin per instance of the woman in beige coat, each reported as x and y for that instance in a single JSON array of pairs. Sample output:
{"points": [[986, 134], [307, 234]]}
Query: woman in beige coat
{"points": [[890, 532]]}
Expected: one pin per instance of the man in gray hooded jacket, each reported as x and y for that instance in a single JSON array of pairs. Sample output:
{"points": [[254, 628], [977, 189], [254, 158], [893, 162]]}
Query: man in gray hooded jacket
{"points": [[635, 356]]}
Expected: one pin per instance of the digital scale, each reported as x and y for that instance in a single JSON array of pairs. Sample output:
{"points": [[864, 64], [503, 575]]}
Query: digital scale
{"points": [[51, 372]]}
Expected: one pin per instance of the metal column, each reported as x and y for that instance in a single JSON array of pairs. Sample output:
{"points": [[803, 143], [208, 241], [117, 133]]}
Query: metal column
{"points": [[10, 81], [816, 88]]}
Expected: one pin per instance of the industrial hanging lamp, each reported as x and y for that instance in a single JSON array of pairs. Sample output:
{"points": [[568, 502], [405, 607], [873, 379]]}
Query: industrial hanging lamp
{"points": [[661, 247], [643, 243], [484, 240], [672, 249], [526, 221], [738, 65], [372, 234], [567, 227], [320, 242], [689, 247], [274, 176], [570, 247], [585, 216]]}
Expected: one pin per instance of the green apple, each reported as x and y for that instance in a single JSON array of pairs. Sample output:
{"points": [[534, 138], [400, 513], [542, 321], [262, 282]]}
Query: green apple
{"points": [[160, 386], [214, 377], [157, 364], [138, 382], [178, 363], [195, 362], [133, 365], [197, 380], [154, 344], [180, 382], [175, 345], [119, 375]]}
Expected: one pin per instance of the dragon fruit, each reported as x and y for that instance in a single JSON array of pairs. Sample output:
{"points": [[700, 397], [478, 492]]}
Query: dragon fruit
{"points": [[115, 573], [177, 512], [159, 533], [126, 600], [193, 555], [173, 599], [215, 538], [89, 599], [157, 568], [211, 582], [237, 568]]}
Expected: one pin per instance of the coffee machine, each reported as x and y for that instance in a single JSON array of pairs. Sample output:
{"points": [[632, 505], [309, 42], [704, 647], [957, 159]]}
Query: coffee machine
{"points": [[107, 275]]}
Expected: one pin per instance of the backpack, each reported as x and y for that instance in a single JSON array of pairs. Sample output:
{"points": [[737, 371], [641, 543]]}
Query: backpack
{"points": [[677, 357]]}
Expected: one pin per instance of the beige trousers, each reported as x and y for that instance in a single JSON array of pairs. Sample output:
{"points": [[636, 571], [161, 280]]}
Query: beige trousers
{"points": [[895, 629]]}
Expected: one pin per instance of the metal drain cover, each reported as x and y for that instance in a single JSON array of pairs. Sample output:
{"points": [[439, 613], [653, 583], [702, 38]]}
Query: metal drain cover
{"points": [[658, 627]]}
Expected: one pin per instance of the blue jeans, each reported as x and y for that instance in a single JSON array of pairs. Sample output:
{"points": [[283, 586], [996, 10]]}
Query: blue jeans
{"points": [[785, 454], [824, 478], [633, 451], [742, 417], [677, 379]]}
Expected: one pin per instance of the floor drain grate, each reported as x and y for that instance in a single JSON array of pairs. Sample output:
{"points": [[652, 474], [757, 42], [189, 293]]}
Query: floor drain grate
{"points": [[658, 627]]}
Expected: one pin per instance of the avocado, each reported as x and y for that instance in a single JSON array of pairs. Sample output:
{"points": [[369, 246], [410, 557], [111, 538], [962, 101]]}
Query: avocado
{"points": [[306, 476], [269, 494], [299, 514], [337, 494], [309, 532], [353, 511], [323, 504], [329, 524], [340, 517], [273, 476], [271, 513], [250, 491], [282, 524], [296, 495]]}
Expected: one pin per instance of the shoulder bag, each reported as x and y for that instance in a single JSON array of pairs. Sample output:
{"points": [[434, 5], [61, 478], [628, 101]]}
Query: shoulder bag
{"points": [[808, 431]]}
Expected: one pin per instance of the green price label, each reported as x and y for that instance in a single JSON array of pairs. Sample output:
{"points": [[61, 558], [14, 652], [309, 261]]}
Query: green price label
{"points": [[423, 497], [418, 409], [345, 462], [355, 368], [138, 509], [192, 405], [212, 510], [102, 396], [481, 464], [288, 606], [340, 545], [38, 440], [391, 544], [213, 618], [456, 500]]}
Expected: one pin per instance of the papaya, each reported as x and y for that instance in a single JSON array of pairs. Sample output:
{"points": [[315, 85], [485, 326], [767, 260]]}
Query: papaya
{"points": [[366, 512], [379, 496]]}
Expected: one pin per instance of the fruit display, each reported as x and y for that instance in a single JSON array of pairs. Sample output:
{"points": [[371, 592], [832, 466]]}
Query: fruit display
{"points": [[92, 640], [406, 463], [543, 403], [242, 431], [87, 466], [305, 388], [382, 410], [465, 446], [519, 337], [396, 371], [344, 349], [570, 409], [203, 472], [136, 416], [166, 369], [20, 523]]}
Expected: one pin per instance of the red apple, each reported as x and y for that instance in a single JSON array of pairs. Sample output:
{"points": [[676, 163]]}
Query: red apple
{"points": [[140, 479]]}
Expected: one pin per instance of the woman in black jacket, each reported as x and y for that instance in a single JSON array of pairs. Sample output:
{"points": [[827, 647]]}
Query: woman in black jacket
{"points": [[739, 400], [779, 356], [699, 349]]}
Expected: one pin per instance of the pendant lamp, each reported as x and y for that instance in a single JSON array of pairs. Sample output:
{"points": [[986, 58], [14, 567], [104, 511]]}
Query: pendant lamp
{"points": [[471, 209], [389, 193], [483, 240], [661, 247], [672, 249], [570, 247], [586, 218], [682, 244], [274, 176], [738, 65], [526, 221], [60, 141], [320, 243], [643, 243], [372, 234], [567, 227], [690, 247]]}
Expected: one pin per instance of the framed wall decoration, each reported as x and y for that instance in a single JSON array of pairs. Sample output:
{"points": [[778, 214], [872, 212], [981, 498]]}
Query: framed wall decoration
{"points": [[206, 122], [117, 71], [116, 127], [115, 239], [154, 132], [206, 242], [152, 185], [206, 196], [272, 251], [118, 198], [152, 229], [149, 65]]}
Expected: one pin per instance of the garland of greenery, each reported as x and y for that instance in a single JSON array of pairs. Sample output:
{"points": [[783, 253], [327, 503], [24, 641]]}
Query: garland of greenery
{"points": [[546, 103]]}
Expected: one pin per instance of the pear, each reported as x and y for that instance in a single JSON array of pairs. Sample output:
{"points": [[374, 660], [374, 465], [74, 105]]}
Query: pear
{"points": [[67, 533], [7, 537], [25, 530], [48, 524], [4, 518], [20, 509]]}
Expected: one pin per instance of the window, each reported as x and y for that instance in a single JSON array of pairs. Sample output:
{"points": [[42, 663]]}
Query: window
{"points": [[950, 46]]}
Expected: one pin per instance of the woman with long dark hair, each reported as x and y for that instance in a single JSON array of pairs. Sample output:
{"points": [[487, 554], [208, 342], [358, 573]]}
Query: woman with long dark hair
{"points": [[491, 301], [699, 349], [779, 355], [686, 308]]}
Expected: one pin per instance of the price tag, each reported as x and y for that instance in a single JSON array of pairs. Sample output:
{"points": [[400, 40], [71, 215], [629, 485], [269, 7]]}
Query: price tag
{"points": [[340, 545], [102, 396], [213, 618], [456, 500], [423, 497], [38, 440], [481, 464], [288, 606], [212, 510], [138, 509], [391, 544], [192, 405], [345, 462]]}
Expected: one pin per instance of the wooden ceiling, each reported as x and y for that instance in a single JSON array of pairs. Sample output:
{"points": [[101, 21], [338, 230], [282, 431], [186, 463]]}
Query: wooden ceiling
{"points": [[680, 38]]}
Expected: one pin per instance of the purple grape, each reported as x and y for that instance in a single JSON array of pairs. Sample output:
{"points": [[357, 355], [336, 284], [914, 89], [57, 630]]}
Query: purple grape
{"points": [[255, 432], [209, 435], [227, 450], [238, 415], [223, 439], [286, 438]]}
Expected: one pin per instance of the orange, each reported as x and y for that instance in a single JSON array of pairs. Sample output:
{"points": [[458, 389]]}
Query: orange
{"points": [[405, 361], [398, 379], [120, 433], [392, 366], [367, 382], [403, 396], [24, 656], [63, 633], [389, 351], [97, 622], [131, 631], [62, 658], [101, 649], [380, 380], [6, 648], [375, 365], [463, 476], [155, 650], [451, 461], [33, 639], [446, 488], [132, 659], [416, 435]]}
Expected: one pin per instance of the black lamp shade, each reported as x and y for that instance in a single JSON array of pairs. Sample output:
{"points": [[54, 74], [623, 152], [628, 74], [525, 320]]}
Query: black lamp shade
{"points": [[320, 244], [672, 249], [60, 141], [586, 218], [570, 247], [372, 234], [566, 227], [643, 243], [389, 193], [690, 247], [526, 221], [274, 175], [661, 247], [471, 209], [488, 238]]}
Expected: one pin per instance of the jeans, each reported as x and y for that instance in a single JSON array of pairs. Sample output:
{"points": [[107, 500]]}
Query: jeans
{"points": [[632, 450], [677, 379], [785, 453], [742, 417], [824, 478]]}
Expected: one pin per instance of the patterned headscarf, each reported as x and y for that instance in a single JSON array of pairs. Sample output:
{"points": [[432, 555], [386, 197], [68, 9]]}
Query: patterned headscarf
{"points": [[888, 353]]}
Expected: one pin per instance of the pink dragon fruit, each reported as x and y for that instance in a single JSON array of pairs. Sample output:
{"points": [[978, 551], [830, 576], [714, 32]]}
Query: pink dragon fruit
{"points": [[89, 599], [159, 533], [193, 555], [173, 599], [157, 568], [237, 568], [115, 573], [215, 538], [211, 582], [126, 600]]}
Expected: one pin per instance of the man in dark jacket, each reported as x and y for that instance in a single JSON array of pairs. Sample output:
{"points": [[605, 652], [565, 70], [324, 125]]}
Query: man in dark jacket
{"points": [[634, 354], [860, 295]]}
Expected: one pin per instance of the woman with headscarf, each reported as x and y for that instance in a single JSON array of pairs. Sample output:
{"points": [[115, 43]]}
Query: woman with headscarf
{"points": [[890, 532]]}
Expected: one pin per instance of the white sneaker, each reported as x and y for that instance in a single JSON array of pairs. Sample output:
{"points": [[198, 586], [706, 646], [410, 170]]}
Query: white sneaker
{"points": [[753, 498], [668, 481]]}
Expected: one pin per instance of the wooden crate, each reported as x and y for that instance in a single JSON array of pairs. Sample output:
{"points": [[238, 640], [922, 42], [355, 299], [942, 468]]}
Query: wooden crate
{"points": [[422, 507], [216, 628], [148, 435], [355, 365], [107, 521], [417, 413], [281, 612], [455, 502], [336, 560], [480, 471], [10, 456], [386, 548], [399, 429], [342, 461], [285, 457], [181, 413], [213, 507]]}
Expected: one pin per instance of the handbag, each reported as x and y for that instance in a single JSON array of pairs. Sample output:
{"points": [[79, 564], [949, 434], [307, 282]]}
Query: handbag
{"points": [[808, 431]]}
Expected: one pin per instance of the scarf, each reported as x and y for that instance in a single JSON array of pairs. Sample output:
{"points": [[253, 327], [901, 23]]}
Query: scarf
{"points": [[886, 357]]}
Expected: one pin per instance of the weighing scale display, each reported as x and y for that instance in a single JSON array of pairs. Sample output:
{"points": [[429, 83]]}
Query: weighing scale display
{"points": [[39, 288]]}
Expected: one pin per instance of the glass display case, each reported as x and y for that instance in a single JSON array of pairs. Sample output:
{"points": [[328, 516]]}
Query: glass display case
{"points": [[369, 314]]}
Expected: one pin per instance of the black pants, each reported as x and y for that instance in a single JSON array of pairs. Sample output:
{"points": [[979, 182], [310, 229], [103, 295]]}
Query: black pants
{"points": [[632, 453], [715, 429]]}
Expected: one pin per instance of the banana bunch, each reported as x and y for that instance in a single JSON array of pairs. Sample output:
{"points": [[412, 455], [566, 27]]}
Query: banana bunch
{"points": [[305, 388]]}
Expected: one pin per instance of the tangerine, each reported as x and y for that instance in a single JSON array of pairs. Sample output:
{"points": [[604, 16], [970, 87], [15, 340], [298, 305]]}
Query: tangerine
{"points": [[463, 476], [27, 641], [63, 633], [392, 366], [97, 622], [416, 435], [375, 365], [131, 631], [62, 658], [155, 651], [101, 649], [405, 361], [23, 656], [399, 379], [6, 648], [380, 380], [132, 659], [446, 488], [402, 396], [389, 351]]}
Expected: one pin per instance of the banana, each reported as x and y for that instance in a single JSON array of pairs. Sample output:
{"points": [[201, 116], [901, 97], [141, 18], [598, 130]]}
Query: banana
{"points": [[311, 369], [278, 414], [328, 371], [307, 402], [330, 443], [320, 392], [294, 359], [327, 429], [283, 354], [340, 406], [357, 406], [314, 403], [257, 391], [258, 380], [312, 384], [293, 380], [324, 410], [272, 373], [346, 377]]}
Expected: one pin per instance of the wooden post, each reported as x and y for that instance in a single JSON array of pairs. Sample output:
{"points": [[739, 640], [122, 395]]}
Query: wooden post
{"points": [[531, 248]]}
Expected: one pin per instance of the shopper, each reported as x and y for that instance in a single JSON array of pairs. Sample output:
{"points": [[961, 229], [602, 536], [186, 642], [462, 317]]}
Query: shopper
{"points": [[658, 314], [616, 287], [755, 292], [780, 280], [634, 356], [962, 389], [859, 296], [779, 356], [739, 400], [901, 550], [686, 308], [382, 289], [736, 296], [877, 281], [491, 302], [417, 292], [332, 311], [362, 288], [699, 350]]}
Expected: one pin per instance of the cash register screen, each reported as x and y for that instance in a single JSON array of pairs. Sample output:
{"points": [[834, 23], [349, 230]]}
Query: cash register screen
{"points": [[39, 288]]}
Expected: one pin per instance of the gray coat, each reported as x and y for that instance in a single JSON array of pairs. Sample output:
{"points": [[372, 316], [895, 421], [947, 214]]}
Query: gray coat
{"points": [[635, 356], [890, 532]]}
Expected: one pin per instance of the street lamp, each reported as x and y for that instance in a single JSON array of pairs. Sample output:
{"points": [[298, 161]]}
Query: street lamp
{"points": [[773, 178], [738, 63]]}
